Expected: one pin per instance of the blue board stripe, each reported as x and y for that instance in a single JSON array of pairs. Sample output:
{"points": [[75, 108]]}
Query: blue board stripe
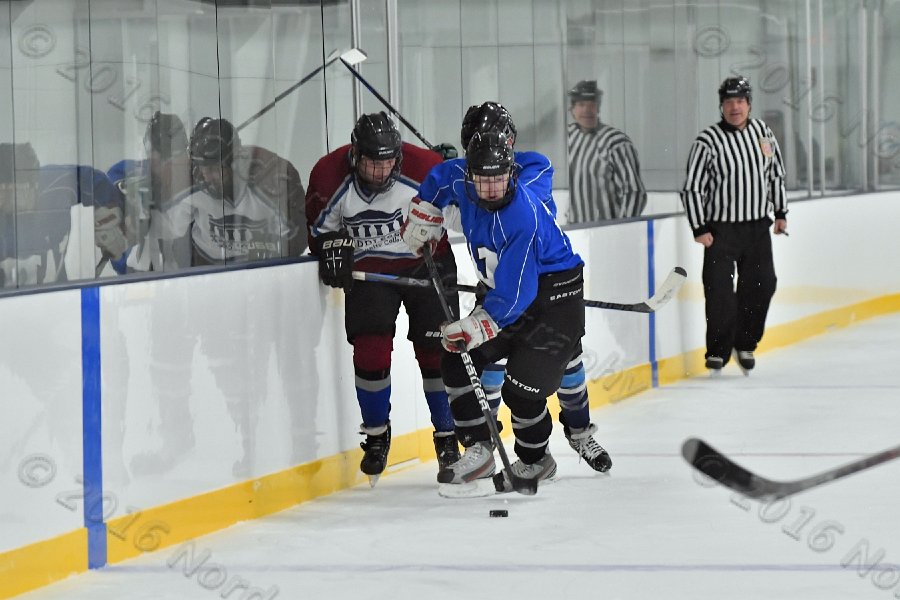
{"points": [[651, 287], [91, 427]]}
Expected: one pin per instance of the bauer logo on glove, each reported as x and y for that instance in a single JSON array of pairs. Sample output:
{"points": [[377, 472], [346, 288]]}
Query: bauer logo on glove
{"points": [[472, 331], [336, 259], [424, 225]]}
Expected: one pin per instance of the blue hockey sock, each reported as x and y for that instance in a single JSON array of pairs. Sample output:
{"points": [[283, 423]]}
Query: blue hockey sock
{"points": [[573, 399], [374, 399], [492, 382], [441, 417]]}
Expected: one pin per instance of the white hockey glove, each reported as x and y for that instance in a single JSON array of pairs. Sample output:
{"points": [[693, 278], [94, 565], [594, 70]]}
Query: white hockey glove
{"points": [[473, 331], [109, 231], [424, 225]]}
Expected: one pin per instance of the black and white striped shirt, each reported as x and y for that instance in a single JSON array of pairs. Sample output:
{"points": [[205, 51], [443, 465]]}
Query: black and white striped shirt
{"points": [[733, 176], [604, 175]]}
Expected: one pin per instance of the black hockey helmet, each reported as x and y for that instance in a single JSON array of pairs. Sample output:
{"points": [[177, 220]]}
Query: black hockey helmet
{"points": [[214, 141], [490, 154], [585, 91], [376, 137], [489, 116], [18, 163], [166, 135], [735, 87]]}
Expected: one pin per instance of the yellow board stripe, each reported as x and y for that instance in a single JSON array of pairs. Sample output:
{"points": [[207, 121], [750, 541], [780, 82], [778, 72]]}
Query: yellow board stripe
{"points": [[693, 362], [44, 562]]}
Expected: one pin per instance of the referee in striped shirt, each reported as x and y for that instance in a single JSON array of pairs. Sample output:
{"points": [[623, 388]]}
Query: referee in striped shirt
{"points": [[735, 177], [604, 173]]}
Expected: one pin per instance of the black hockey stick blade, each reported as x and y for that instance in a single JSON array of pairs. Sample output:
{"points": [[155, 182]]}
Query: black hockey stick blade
{"points": [[728, 473]]}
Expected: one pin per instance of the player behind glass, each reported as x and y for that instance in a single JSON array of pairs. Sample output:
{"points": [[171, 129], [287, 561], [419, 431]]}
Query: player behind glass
{"points": [[248, 207]]}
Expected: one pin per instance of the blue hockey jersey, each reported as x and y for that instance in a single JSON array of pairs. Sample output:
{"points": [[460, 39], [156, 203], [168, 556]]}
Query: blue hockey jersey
{"points": [[511, 247], [34, 241]]}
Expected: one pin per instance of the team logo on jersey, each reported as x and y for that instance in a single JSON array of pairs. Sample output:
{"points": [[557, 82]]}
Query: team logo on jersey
{"points": [[241, 236], [765, 144], [372, 229]]}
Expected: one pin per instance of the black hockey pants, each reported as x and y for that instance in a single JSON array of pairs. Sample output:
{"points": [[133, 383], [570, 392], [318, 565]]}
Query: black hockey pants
{"points": [[538, 348]]}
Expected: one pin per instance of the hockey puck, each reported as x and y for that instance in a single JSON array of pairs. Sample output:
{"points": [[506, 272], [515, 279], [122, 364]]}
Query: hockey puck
{"points": [[499, 513]]}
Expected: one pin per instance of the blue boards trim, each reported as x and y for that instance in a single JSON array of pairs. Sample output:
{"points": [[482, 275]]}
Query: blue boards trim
{"points": [[91, 427], [651, 289]]}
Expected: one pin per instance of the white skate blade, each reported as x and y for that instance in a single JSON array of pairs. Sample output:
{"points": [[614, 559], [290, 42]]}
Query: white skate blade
{"points": [[479, 488], [373, 479], [715, 373]]}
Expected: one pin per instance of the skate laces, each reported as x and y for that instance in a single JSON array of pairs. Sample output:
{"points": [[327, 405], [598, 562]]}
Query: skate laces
{"points": [[584, 444], [475, 455], [375, 443], [542, 469]]}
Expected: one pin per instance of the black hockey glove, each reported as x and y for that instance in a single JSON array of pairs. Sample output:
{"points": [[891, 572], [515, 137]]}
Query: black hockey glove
{"points": [[446, 150], [336, 259]]}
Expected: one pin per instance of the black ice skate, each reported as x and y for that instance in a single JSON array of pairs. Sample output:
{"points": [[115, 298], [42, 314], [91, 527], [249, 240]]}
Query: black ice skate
{"points": [[376, 447], [745, 360], [582, 441], [446, 447], [542, 470], [715, 364]]}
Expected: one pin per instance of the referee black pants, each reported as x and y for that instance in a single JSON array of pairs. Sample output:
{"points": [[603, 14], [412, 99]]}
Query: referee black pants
{"points": [[736, 317]]}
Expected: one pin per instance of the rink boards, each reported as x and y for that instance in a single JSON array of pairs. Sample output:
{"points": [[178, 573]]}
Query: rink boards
{"points": [[140, 415]]}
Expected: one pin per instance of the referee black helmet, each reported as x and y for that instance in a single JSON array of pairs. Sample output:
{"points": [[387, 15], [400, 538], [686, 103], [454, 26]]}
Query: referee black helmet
{"points": [[735, 87]]}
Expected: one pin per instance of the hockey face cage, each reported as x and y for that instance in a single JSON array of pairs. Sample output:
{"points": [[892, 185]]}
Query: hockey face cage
{"points": [[490, 154], [376, 138], [214, 141]]}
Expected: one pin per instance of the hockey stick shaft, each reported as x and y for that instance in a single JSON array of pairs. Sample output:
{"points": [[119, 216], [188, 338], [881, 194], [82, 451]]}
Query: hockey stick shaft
{"points": [[728, 473], [387, 104], [523, 487], [329, 60], [666, 291], [407, 281]]}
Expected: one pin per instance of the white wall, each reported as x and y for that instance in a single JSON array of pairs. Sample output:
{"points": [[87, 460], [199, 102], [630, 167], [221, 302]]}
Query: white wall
{"points": [[40, 404]]}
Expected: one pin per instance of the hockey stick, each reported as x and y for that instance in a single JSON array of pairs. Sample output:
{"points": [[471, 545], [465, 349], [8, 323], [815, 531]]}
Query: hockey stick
{"points": [[387, 104], [725, 471], [666, 291], [407, 281], [351, 56], [523, 486]]}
